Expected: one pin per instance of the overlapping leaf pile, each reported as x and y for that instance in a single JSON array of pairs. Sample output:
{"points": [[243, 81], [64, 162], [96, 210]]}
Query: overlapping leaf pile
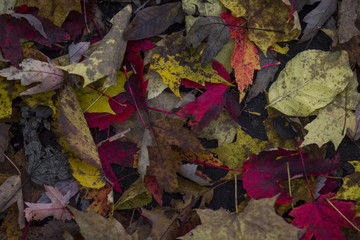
{"points": [[135, 126]]}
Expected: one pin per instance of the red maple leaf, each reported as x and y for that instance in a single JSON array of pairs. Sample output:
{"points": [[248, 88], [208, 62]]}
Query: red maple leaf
{"points": [[263, 172], [120, 153], [245, 58], [321, 219]]}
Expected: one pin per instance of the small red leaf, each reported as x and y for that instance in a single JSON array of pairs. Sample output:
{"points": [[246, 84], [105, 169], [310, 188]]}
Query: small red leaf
{"points": [[154, 188]]}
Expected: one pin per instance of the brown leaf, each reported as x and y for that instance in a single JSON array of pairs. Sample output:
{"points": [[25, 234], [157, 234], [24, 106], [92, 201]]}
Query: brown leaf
{"points": [[163, 162], [346, 23], [75, 129], [152, 21], [33, 71]]}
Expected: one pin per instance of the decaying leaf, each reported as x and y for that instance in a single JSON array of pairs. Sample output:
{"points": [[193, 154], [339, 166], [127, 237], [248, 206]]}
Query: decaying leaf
{"points": [[108, 56], [33, 71], [94, 226], [310, 81], [174, 64], [317, 17], [101, 203], [152, 21], [56, 12], [333, 120], [347, 17], [258, 221], [264, 14], [75, 129], [216, 32], [350, 188], [57, 207]]}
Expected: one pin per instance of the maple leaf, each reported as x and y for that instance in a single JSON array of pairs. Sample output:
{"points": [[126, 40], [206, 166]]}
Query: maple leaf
{"points": [[321, 219], [57, 11], [56, 209], [107, 57], [274, 16], [120, 153], [258, 221], [33, 71], [245, 58], [174, 64], [333, 120], [100, 196], [264, 171], [301, 88]]}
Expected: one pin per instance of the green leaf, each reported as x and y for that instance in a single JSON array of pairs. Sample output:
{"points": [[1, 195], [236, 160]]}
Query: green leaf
{"points": [[310, 81]]}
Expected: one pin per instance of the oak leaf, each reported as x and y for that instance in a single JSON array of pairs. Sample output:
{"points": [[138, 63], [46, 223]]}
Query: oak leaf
{"points": [[33, 71], [107, 57], [310, 81], [258, 221], [57, 207]]}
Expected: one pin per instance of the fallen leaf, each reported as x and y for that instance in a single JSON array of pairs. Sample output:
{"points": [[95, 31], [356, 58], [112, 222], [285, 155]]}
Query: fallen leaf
{"points": [[100, 199], [264, 76], [137, 195], [350, 188], [35, 22], [347, 17], [234, 154], [57, 207], [317, 17], [94, 226], [33, 71], [245, 58], [173, 65], [264, 14], [10, 192], [13, 231], [154, 188], [77, 50], [321, 219], [92, 100], [152, 21], [265, 170], [119, 153], [214, 30], [75, 129], [57, 11], [258, 221], [4, 139], [352, 49], [333, 120], [310, 81], [107, 57]]}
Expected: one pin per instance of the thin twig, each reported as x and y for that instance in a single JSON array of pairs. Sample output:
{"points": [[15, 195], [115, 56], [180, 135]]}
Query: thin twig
{"points": [[12, 163], [353, 225]]}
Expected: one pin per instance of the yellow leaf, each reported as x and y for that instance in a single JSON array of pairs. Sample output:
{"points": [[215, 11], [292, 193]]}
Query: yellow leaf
{"points": [[350, 190], [92, 101], [173, 64], [264, 14], [310, 81], [108, 56], [333, 120]]}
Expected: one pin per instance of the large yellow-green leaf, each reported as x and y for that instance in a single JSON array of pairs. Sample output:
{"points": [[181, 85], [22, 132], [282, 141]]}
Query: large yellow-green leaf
{"points": [[108, 56], [310, 81], [172, 63], [92, 101], [333, 120], [265, 14]]}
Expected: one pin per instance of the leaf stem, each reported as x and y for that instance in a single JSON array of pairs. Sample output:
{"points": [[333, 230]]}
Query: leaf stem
{"points": [[353, 225], [305, 174]]}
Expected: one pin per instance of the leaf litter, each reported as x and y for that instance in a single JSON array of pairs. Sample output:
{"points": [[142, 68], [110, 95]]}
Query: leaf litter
{"points": [[179, 120]]}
